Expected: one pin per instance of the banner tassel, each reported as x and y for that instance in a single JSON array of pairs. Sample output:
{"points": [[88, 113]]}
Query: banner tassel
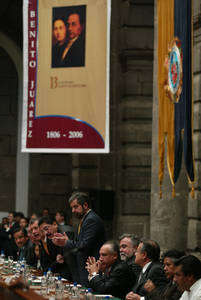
{"points": [[193, 192], [160, 192], [173, 191]]}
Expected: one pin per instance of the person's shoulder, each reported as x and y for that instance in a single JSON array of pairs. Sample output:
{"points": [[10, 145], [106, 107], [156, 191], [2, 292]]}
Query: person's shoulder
{"points": [[156, 265], [93, 214], [79, 42], [120, 265], [184, 296], [132, 265], [122, 270], [81, 37], [156, 268]]}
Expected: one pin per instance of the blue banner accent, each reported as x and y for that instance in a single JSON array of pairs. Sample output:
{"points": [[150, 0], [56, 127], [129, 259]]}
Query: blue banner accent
{"points": [[183, 109]]}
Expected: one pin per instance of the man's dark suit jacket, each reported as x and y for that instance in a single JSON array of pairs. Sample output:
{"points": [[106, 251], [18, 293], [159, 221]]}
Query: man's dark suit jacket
{"points": [[22, 253], [117, 283], [7, 244], [76, 54], [135, 269], [46, 260], [87, 243], [156, 274], [171, 292]]}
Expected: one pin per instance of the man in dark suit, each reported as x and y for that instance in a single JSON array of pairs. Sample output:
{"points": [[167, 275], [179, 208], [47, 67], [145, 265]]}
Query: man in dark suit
{"points": [[74, 52], [147, 256], [21, 241], [90, 237], [109, 275], [128, 244]]}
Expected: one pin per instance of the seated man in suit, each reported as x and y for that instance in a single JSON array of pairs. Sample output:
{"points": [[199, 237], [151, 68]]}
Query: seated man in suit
{"points": [[188, 277], [40, 234], [109, 275], [147, 256], [21, 241], [128, 244], [48, 251]]}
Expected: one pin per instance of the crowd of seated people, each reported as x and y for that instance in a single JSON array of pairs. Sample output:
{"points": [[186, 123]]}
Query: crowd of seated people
{"points": [[130, 268]]}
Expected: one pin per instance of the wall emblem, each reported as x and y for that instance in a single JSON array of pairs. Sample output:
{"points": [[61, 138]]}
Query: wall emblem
{"points": [[173, 64]]}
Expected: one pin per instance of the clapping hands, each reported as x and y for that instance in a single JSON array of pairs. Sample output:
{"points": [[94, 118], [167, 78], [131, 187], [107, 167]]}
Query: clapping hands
{"points": [[92, 265]]}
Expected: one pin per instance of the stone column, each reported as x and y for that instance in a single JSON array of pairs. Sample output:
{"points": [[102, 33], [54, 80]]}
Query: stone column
{"points": [[194, 206], [168, 215]]}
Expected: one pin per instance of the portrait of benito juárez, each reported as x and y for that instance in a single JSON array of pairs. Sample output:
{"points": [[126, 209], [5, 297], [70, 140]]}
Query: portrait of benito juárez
{"points": [[68, 36]]}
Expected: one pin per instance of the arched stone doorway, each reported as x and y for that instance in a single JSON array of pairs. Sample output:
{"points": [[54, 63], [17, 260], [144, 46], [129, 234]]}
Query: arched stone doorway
{"points": [[13, 164]]}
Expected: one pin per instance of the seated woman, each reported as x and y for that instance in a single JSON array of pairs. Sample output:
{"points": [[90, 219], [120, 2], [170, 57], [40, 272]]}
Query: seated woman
{"points": [[171, 292]]}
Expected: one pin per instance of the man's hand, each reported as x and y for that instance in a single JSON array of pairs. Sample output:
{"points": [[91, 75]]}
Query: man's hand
{"points": [[132, 296], [60, 239], [92, 265], [149, 286]]}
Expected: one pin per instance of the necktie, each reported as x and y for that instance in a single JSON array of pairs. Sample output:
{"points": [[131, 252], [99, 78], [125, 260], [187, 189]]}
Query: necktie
{"points": [[45, 247], [79, 227]]}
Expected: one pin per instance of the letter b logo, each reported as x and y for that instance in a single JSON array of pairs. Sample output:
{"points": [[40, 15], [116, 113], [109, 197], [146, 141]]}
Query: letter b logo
{"points": [[53, 82]]}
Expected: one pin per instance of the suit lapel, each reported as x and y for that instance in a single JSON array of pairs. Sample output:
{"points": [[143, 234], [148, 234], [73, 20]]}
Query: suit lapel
{"points": [[82, 221], [143, 279]]}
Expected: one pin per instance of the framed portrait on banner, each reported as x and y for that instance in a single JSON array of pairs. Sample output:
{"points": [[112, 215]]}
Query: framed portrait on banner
{"points": [[66, 76]]}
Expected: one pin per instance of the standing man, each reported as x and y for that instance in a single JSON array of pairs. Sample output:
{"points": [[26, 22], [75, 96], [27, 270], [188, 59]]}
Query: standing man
{"points": [[90, 237], [188, 277]]}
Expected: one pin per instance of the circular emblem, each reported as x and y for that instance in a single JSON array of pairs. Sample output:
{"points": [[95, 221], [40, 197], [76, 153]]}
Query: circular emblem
{"points": [[173, 84]]}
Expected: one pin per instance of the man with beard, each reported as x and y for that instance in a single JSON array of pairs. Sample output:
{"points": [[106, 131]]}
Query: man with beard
{"points": [[90, 237], [128, 244]]}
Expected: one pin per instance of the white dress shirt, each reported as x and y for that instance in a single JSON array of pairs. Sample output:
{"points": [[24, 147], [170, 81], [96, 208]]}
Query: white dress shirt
{"points": [[143, 271], [194, 293]]}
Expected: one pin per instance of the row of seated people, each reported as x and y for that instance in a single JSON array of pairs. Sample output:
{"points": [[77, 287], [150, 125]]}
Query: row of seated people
{"points": [[130, 268], [16, 220]]}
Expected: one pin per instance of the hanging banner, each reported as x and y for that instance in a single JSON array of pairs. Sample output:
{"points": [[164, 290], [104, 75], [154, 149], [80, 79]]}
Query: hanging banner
{"points": [[175, 88], [166, 107], [66, 76], [183, 107]]}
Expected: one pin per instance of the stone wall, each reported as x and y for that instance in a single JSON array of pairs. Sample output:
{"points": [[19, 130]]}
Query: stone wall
{"points": [[8, 131], [134, 117], [50, 182]]}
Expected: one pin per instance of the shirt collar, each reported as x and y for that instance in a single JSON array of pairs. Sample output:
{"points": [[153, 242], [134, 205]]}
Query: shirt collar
{"points": [[195, 285], [146, 267]]}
